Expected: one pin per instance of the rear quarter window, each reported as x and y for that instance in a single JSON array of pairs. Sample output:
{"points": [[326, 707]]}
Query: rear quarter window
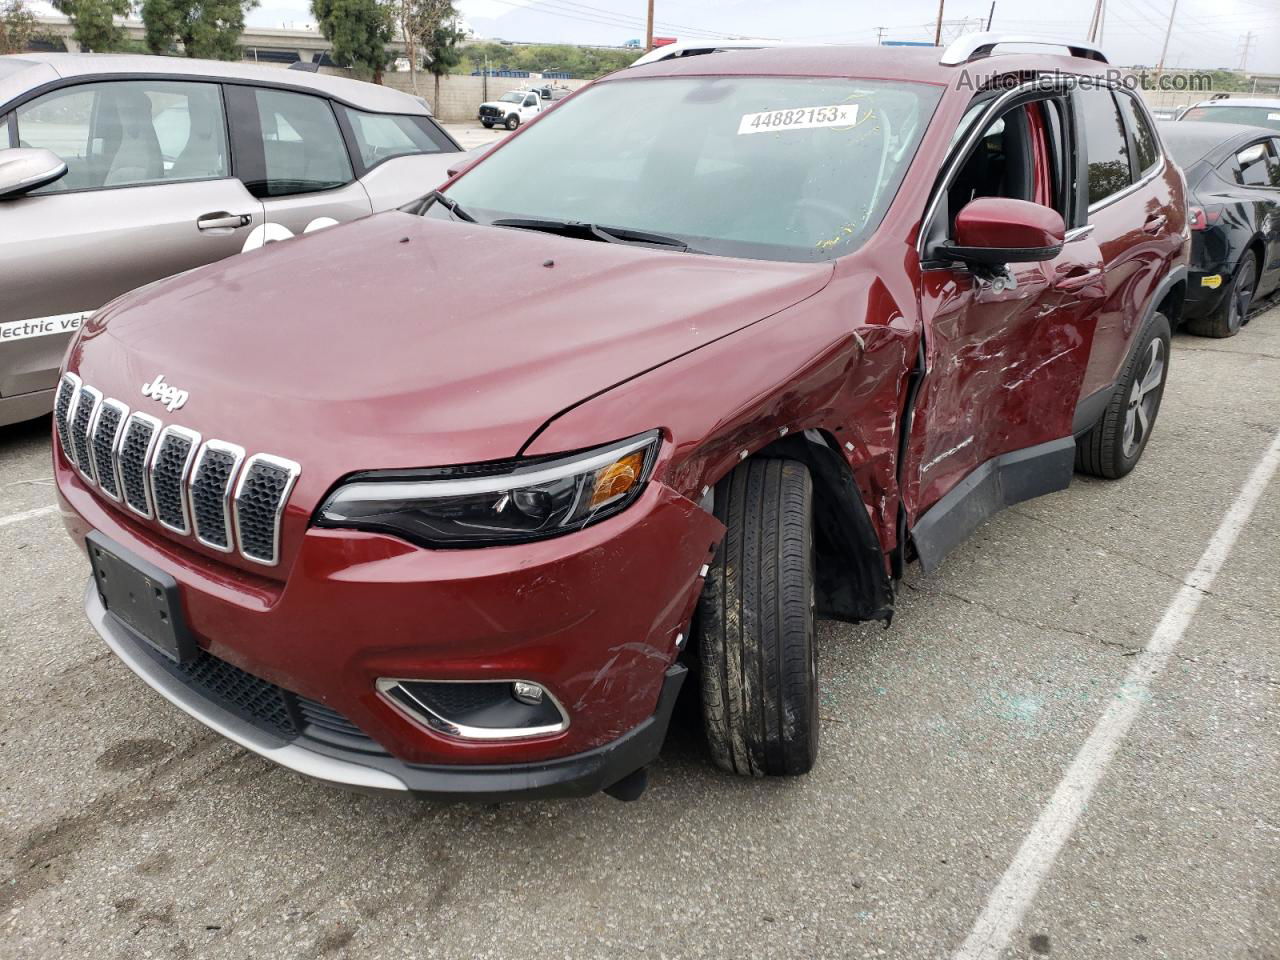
{"points": [[1144, 138], [382, 136]]}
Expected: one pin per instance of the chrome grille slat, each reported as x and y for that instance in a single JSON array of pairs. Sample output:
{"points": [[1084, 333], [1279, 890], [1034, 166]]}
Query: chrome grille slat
{"points": [[168, 472], [261, 495], [105, 432], [63, 404], [132, 457], [212, 475], [164, 473], [87, 400]]}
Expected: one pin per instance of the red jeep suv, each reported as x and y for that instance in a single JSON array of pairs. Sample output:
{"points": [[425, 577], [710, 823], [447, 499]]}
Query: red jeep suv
{"points": [[450, 500]]}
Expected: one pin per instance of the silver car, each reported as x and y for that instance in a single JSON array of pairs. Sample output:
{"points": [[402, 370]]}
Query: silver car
{"points": [[119, 170]]}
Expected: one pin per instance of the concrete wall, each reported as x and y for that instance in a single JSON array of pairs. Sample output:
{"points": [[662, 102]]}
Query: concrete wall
{"points": [[461, 96]]}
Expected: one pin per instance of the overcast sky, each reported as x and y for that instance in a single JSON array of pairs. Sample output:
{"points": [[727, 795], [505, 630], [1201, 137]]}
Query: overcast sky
{"points": [[1207, 33]]}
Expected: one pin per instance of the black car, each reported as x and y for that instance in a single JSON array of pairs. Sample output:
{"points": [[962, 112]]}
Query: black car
{"points": [[1233, 180]]}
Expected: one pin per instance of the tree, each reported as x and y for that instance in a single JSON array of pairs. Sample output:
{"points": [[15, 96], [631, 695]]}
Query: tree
{"points": [[93, 25], [209, 29], [17, 26], [442, 47], [359, 31], [419, 21]]}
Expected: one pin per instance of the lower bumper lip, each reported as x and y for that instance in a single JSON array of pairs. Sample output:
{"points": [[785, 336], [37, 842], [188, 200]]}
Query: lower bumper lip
{"points": [[573, 776]]}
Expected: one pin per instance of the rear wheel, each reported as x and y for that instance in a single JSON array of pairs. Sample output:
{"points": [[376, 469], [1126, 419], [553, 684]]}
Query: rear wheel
{"points": [[512, 122], [1233, 312], [759, 665], [1115, 443]]}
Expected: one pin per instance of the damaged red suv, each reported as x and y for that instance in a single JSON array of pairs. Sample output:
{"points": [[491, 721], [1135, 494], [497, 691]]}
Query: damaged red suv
{"points": [[450, 500]]}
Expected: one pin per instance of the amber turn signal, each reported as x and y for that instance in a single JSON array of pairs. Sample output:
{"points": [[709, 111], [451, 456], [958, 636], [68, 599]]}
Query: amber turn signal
{"points": [[616, 479]]}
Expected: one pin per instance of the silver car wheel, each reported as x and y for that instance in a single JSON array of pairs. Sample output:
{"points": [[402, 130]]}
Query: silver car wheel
{"points": [[1143, 399]]}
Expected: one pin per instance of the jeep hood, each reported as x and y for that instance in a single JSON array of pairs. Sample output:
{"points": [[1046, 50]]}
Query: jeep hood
{"points": [[399, 341]]}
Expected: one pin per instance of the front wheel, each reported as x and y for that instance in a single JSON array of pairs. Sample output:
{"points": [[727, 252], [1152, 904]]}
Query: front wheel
{"points": [[512, 122], [1233, 312], [488, 124], [756, 624], [1114, 445]]}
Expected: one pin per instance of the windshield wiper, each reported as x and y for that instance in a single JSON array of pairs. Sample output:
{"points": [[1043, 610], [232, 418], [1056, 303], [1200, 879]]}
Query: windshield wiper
{"points": [[435, 196], [574, 228]]}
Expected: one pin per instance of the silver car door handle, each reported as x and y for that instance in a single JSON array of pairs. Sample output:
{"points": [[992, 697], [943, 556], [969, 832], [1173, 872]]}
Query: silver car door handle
{"points": [[223, 220]]}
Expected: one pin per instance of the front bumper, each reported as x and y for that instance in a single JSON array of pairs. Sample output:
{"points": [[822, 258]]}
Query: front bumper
{"points": [[573, 776], [594, 617]]}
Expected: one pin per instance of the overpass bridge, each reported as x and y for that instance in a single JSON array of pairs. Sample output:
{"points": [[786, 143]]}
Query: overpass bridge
{"points": [[260, 44]]}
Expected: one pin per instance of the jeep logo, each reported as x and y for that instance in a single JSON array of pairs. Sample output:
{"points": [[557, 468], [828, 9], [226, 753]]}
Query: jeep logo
{"points": [[171, 397]]}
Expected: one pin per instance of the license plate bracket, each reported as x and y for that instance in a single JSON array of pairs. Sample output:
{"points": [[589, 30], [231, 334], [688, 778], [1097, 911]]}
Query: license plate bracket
{"points": [[142, 597]]}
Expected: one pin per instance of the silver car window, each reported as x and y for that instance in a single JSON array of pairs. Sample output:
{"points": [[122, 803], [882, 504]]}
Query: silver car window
{"points": [[302, 146], [127, 133], [381, 136]]}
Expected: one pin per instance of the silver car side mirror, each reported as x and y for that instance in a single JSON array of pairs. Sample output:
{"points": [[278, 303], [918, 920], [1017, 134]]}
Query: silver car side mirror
{"points": [[23, 169]]}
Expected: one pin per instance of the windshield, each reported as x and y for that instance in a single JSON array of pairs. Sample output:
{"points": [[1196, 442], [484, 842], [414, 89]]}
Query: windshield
{"points": [[1253, 116], [511, 98], [766, 168]]}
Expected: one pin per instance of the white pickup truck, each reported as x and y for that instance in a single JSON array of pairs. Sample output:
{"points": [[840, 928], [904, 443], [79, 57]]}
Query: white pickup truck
{"points": [[511, 109]]}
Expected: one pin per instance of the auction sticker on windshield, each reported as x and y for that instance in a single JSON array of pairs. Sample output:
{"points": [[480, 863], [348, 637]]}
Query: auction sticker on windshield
{"points": [[800, 118]]}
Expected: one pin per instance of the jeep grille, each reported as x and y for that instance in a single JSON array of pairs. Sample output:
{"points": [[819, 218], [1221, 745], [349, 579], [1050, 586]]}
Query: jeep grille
{"points": [[165, 473]]}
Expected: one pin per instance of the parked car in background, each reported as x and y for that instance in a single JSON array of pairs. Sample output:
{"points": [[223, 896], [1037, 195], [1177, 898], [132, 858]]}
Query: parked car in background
{"points": [[154, 165], [550, 92], [1251, 111], [511, 109], [788, 320], [1233, 183]]}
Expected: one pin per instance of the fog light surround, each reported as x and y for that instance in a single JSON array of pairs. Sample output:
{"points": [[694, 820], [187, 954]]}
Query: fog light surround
{"points": [[476, 709]]}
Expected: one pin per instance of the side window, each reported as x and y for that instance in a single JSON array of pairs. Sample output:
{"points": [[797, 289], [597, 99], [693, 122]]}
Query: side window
{"points": [[302, 147], [381, 136], [530, 101], [1018, 156], [129, 133], [1257, 165], [1109, 170], [1144, 138]]}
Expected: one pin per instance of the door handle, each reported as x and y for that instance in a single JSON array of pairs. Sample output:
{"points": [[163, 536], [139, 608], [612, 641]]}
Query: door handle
{"points": [[1078, 281], [223, 220], [1155, 224]]}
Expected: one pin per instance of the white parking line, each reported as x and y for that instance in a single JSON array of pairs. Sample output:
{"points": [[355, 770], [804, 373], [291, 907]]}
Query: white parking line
{"points": [[28, 515], [1035, 858]]}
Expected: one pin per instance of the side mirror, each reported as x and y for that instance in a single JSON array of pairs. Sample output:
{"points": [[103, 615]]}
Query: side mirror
{"points": [[469, 159], [994, 230], [23, 169]]}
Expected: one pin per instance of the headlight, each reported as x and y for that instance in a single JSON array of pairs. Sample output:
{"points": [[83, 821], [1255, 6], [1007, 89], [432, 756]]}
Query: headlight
{"points": [[496, 503]]}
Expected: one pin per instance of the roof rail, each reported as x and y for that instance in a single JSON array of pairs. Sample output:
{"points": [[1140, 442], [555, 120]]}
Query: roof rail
{"points": [[975, 46], [693, 48]]}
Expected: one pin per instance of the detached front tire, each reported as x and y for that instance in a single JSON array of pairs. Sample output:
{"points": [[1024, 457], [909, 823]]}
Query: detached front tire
{"points": [[1114, 445], [756, 617]]}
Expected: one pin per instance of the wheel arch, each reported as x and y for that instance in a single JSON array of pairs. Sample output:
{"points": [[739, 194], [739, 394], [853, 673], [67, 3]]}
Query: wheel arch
{"points": [[851, 579]]}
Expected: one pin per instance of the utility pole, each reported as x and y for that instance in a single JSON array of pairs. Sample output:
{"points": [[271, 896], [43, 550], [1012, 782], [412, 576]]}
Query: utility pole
{"points": [[1168, 32], [1244, 57], [880, 35], [937, 34], [1102, 20], [648, 32], [1093, 23], [991, 16]]}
